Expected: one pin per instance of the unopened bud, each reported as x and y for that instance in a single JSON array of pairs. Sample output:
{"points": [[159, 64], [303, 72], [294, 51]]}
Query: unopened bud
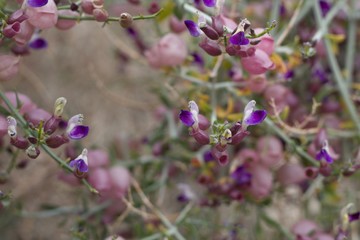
{"points": [[19, 142], [210, 47], [56, 141], [201, 137], [100, 14], [51, 125], [218, 25], [210, 32], [11, 30], [59, 106], [126, 20], [32, 152]]}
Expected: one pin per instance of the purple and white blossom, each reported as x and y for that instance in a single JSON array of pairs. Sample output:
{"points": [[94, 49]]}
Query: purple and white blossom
{"points": [[80, 164], [252, 116], [11, 126], [190, 118], [75, 129], [324, 153]]}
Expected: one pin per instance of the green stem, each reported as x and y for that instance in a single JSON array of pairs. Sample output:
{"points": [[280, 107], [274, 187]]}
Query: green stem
{"points": [[275, 11], [272, 223], [350, 44], [110, 19], [12, 162], [340, 81]]}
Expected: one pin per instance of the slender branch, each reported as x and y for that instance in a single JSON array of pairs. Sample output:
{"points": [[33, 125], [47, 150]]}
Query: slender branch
{"points": [[341, 83], [213, 77], [12, 161], [110, 19], [350, 44], [173, 229]]}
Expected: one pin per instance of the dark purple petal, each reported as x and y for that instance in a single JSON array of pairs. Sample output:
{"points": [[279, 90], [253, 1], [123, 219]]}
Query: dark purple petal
{"points": [[183, 198], [354, 216], [82, 166], [73, 163], [186, 118], [256, 117], [193, 28], [241, 176], [198, 59], [239, 39], [210, 3], [323, 154], [79, 132], [289, 74], [37, 3], [325, 7], [208, 157], [38, 43]]}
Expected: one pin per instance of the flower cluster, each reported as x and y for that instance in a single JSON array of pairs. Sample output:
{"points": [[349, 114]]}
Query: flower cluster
{"points": [[44, 128], [222, 134], [224, 35]]}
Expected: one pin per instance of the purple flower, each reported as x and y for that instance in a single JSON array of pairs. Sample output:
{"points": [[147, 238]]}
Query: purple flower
{"points": [[37, 3], [80, 164], [207, 156], [193, 28], [75, 129], [210, 3], [239, 39], [38, 43], [252, 116], [325, 7], [190, 118], [186, 193], [241, 176], [324, 153], [354, 216]]}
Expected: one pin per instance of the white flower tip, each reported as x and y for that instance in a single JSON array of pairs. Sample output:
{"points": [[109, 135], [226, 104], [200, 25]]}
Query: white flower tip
{"points": [[11, 121], [193, 107], [59, 106]]}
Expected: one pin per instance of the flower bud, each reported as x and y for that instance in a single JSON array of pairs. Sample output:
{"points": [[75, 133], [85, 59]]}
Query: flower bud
{"points": [[221, 157], [210, 47], [11, 30], [32, 152], [9, 67], [25, 33], [17, 16], [201, 137], [238, 137], [126, 20], [100, 14], [204, 123], [176, 25], [311, 172], [19, 142], [51, 125], [56, 141], [210, 32], [59, 106], [87, 6], [217, 25], [258, 63]]}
